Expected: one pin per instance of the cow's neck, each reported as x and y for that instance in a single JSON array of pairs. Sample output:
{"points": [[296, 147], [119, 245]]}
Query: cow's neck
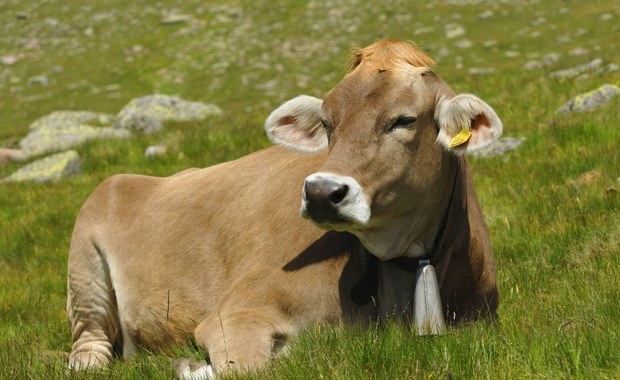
{"points": [[453, 228], [391, 283]]}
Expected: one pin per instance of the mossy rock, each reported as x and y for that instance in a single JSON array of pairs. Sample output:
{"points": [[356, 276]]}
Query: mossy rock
{"points": [[48, 139], [59, 119], [48, 169], [147, 114], [591, 100]]}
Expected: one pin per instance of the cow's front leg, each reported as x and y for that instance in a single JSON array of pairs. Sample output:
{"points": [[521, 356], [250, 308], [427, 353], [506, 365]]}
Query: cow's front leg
{"points": [[243, 340]]}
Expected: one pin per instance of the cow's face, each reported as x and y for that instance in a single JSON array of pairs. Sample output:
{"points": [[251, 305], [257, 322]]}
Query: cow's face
{"points": [[390, 133]]}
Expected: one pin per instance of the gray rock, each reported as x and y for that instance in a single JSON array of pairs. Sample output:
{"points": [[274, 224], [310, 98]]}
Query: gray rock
{"points": [[141, 123], [575, 71], [547, 60], [174, 18], [463, 44], [63, 118], [578, 51], [481, 70], [48, 169], [155, 151], [44, 140], [485, 15], [454, 30], [146, 114], [39, 80], [591, 100], [499, 147]]}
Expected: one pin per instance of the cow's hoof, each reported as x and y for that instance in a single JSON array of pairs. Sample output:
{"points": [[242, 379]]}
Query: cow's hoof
{"points": [[187, 369], [87, 359]]}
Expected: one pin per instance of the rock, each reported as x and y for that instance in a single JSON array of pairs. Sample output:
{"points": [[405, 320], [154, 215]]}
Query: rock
{"points": [[142, 123], [423, 30], [9, 59], [547, 60], [463, 44], [499, 147], [591, 100], [454, 30], [11, 155], [481, 70], [174, 18], [573, 72], [62, 118], [44, 140], [155, 151], [48, 169], [39, 80], [578, 51], [485, 15], [147, 114]]}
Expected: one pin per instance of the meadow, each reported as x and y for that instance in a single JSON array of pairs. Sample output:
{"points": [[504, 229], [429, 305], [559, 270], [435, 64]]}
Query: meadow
{"points": [[552, 206]]}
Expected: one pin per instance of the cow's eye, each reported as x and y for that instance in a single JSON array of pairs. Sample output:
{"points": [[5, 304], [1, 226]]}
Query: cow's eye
{"points": [[402, 122]]}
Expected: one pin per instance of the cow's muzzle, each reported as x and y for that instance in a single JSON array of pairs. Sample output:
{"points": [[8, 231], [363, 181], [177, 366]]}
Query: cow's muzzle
{"points": [[332, 200]]}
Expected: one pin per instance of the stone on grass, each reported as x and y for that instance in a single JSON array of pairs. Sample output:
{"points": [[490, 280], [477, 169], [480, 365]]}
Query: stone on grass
{"points": [[547, 60], [174, 18], [63, 118], [499, 147], [591, 100], [48, 169], [155, 151], [44, 140], [454, 30], [146, 114], [573, 72]]}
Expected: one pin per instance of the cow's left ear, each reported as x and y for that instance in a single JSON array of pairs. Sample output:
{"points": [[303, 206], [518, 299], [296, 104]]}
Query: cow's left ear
{"points": [[466, 123], [297, 125]]}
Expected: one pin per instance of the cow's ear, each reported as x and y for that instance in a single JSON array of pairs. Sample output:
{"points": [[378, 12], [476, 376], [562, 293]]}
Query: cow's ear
{"points": [[466, 123], [297, 125]]}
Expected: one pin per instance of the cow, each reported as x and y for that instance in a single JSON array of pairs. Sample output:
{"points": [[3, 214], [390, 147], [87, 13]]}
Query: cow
{"points": [[221, 254]]}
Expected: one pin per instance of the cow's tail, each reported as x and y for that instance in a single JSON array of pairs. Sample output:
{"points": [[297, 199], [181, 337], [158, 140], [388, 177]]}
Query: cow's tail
{"points": [[91, 306]]}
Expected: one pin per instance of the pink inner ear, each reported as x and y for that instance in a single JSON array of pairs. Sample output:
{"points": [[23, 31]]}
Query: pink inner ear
{"points": [[286, 121], [480, 130]]}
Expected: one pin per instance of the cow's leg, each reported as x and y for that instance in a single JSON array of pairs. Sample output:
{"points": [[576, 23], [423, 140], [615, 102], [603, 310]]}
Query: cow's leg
{"points": [[91, 306], [243, 340]]}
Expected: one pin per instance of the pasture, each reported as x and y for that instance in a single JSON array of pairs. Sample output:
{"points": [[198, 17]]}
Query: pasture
{"points": [[552, 205]]}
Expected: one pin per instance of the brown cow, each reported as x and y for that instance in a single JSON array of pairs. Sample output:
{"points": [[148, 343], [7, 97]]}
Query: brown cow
{"points": [[222, 254]]}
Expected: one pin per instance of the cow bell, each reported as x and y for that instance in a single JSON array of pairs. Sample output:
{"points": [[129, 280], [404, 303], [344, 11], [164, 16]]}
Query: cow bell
{"points": [[429, 317]]}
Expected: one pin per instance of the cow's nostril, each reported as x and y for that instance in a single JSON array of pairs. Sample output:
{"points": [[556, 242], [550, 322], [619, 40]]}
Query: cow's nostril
{"points": [[339, 194]]}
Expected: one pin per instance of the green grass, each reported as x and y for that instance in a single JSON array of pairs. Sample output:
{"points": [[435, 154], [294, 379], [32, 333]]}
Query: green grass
{"points": [[556, 238]]}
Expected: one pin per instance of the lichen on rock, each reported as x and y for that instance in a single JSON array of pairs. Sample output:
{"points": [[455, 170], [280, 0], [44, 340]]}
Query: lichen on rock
{"points": [[48, 169], [63, 118], [591, 100], [54, 138], [147, 114]]}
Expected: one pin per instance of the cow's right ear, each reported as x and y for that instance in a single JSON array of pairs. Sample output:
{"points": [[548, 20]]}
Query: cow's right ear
{"points": [[297, 125]]}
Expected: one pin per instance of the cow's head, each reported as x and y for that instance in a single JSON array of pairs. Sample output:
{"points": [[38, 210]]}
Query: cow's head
{"points": [[392, 128]]}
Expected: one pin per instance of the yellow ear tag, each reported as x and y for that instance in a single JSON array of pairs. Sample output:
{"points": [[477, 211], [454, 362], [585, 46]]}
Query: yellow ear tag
{"points": [[461, 138]]}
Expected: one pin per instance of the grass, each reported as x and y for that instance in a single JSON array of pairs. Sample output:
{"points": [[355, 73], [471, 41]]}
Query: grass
{"points": [[555, 234]]}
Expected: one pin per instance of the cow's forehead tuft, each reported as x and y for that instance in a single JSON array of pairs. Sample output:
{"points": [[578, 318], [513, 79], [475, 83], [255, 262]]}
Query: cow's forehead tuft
{"points": [[390, 55]]}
